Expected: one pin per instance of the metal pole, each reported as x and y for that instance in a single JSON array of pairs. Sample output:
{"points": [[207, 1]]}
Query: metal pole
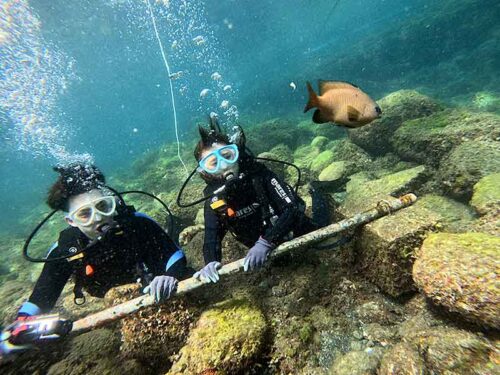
{"points": [[124, 309]]}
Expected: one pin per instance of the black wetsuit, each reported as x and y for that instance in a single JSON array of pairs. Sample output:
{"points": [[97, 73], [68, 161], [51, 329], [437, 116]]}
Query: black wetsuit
{"points": [[140, 248], [259, 204]]}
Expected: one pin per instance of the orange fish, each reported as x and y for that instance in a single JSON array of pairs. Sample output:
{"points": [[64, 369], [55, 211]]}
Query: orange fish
{"points": [[342, 103]]}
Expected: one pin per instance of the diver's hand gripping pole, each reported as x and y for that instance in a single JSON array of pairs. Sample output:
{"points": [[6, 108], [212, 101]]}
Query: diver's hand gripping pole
{"points": [[122, 310]]}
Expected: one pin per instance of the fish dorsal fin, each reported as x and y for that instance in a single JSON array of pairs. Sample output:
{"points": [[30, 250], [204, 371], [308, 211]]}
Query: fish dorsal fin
{"points": [[352, 113], [324, 86]]}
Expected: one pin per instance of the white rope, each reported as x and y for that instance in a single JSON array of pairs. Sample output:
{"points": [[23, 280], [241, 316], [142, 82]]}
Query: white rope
{"points": [[170, 82]]}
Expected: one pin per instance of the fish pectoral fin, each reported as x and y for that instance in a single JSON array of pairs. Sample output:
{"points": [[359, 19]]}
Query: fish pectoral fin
{"points": [[319, 118], [352, 113]]}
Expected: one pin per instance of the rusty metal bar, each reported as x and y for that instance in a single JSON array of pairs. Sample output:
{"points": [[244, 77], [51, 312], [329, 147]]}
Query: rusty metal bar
{"points": [[124, 309]]}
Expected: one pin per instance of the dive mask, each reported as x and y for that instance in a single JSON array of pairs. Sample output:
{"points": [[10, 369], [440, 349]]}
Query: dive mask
{"points": [[214, 161], [85, 214]]}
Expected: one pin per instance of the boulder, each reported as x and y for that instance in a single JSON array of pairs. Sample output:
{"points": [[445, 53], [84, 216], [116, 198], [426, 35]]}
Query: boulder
{"points": [[386, 248], [320, 142], [486, 196], [467, 164], [488, 223], [268, 134], [362, 362], [427, 140], [402, 359], [277, 168], [397, 107], [450, 351], [460, 272], [226, 339], [322, 161], [453, 216], [95, 352], [363, 195], [333, 172]]}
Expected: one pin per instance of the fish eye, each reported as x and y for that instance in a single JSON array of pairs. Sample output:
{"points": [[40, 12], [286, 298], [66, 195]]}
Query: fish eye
{"points": [[378, 110]]}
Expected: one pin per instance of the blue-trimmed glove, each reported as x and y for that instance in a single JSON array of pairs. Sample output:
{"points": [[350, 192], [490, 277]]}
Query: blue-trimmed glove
{"points": [[162, 288], [257, 255], [209, 272]]}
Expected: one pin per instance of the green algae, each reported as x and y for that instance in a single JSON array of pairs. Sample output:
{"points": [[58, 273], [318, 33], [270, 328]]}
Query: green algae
{"points": [[322, 161], [226, 338], [486, 194]]}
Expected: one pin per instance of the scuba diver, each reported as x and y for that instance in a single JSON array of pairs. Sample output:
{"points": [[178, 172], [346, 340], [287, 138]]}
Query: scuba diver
{"points": [[247, 199], [106, 244]]}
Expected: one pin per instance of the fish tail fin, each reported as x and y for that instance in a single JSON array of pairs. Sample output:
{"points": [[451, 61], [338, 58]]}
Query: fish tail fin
{"points": [[313, 98]]}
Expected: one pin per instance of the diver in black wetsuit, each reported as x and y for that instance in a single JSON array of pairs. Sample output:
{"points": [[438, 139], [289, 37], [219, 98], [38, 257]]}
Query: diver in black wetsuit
{"points": [[113, 245], [248, 200]]}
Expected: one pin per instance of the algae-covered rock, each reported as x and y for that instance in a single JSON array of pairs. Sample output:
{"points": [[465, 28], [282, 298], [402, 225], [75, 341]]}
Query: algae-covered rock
{"points": [[154, 334], [486, 101], [363, 194], [319, 142], [357, 158], [453, 216], [277, 168], [486, 195], [334, 171], [266, 135], [460, 272], [488, 223], [397, 107], [322, 161], [362, 362], [386, 248], [402, 359], [427, 140], [93, 352], [451, 351], [467, 164], [226, 339]]}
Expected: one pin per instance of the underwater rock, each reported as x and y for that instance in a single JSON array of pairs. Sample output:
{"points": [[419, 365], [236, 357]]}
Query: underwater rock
{"points": [[486, 196], [266, 135], [486, 101], [186, 216], [397, 107], [488, 223], [449, 350], [200, 217], [322, 161], [460, 272], [344, 149], [427, 140], [304, 156], [320, 142], [333, 172], [188, 234], [194, 250], [363, 195], [386, 248], [453, 216], [277, 168], [467, 164], [402, 359], [155, 333], [226, 339], [323, 130], [95, 352], [363, 362]]}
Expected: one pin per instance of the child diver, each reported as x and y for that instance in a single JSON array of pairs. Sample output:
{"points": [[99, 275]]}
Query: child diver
{"points": [[247, 199], [106, 244]]}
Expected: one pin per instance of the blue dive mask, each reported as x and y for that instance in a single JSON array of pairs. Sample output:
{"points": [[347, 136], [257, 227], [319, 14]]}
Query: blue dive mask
{"points": [[219, 159]]}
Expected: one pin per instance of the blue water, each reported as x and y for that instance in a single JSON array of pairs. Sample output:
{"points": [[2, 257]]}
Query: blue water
{"points": [[109, 96]]}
